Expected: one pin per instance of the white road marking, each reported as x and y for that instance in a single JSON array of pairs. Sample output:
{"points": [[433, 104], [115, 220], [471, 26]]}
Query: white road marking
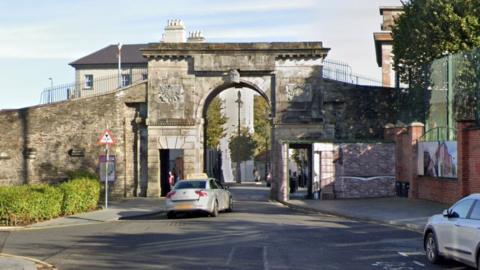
{"points": [[230, 256], [406, 254], [419, 263], [265, 259]]}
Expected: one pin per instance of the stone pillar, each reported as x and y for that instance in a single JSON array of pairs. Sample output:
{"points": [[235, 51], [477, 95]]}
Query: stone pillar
{"points": [[153, 186], [279, 163], [398, 134], [463, 155], [415, 131]]}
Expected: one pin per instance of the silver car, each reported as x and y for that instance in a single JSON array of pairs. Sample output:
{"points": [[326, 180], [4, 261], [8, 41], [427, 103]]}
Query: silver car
{"points": [[455, 233], [198, 195]]}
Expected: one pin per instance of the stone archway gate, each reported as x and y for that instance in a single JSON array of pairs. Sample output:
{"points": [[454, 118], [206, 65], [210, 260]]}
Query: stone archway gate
{"points": [[184, 77]]}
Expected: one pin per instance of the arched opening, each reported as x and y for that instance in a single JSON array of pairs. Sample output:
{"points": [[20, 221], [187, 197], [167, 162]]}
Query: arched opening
{"points": [[237, 132]]}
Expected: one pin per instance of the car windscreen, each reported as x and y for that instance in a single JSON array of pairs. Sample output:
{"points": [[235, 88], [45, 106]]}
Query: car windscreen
{"points": [[190, 184]]}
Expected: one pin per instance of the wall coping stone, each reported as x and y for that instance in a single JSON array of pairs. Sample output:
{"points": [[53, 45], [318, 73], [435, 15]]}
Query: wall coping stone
{"points": [[416, 124]]}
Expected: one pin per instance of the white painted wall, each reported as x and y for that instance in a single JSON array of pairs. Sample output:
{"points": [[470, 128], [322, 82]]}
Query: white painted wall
{"points": [[105, 79]]}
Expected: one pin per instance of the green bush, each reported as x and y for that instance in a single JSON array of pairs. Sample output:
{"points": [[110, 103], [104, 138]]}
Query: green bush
{"points": [[80, 195], [26, 204], [21, 205], [81, 174]]}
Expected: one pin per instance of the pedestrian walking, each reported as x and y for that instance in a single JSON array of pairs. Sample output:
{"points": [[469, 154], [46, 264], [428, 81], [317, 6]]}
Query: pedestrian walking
{"points": [[256, 175], [171, 179], [269, 179]]}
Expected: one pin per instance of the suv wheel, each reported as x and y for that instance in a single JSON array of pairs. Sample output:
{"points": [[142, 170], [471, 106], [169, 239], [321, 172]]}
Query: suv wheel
{"points": [[215, 209], [431, 248], [230, 205], [478, 261]]}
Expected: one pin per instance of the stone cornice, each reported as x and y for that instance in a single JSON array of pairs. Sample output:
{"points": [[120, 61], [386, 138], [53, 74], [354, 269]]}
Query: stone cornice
{"points": [[172, 122], [279, 49]]}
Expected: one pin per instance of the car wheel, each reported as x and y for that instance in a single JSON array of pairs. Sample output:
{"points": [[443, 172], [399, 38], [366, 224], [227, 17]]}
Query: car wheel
{"points": [[171, 215], [215, 209], [431, 248], [478, 261], [230, 205]]}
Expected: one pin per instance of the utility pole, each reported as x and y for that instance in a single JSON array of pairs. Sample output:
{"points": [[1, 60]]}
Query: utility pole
{"points": [[239, 101], [266, 156], [119, 65]]}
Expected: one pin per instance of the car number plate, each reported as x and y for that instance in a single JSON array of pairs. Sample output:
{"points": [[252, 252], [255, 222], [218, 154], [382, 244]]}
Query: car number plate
{"points": [[183, 206]]}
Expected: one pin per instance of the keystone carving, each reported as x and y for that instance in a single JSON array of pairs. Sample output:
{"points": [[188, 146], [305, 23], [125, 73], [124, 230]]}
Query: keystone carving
{"points": [[233, 76]]}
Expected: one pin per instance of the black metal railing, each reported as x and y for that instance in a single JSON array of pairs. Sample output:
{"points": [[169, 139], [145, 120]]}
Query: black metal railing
{"points": [[89, 88], [341, 71]]}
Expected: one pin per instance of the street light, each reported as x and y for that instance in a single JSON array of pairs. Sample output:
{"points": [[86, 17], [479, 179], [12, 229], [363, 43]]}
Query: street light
{"points": [[239, 101], [119, 54]]}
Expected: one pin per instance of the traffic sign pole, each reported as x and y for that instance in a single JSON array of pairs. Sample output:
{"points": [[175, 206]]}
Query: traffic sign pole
{"points": [[106, 176], [106, 139]]}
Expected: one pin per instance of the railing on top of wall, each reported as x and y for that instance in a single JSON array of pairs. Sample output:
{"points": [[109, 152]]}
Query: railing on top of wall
{"points": [[97, 86], [332, 69], [341, 71], [439, 134]]}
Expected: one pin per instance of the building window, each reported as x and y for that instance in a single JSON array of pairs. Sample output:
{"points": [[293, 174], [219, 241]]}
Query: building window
{"points": [[88, 81], [126, 80]]}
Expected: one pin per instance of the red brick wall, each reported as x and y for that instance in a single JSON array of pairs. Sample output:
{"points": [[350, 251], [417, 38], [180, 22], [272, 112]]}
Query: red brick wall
{"points": [[471, 159], [434, 189], [438, 190], [399, 135]]}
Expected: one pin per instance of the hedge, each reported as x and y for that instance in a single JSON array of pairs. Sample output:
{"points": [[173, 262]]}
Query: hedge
{"points": [[80, 195], [26, 204], [29, 203]]}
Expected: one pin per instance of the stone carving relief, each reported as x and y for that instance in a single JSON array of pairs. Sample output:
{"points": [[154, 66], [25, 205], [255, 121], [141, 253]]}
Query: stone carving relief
{"points": [[170, 92], [299, 92], [233, 76]]}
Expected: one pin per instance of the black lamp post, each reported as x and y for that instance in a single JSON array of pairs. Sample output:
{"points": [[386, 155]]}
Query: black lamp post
{"points": [[238, 173]]}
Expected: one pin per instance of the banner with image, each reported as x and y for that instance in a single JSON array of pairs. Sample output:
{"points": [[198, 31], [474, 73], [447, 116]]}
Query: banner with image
{"points": [[437, 159]]}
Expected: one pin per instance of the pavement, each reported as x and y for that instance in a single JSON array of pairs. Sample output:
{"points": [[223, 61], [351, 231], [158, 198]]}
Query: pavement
{"points": [[401, 212]]}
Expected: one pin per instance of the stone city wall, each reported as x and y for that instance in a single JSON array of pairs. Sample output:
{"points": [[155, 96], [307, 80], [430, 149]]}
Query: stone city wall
{"points": [[43, 143]]}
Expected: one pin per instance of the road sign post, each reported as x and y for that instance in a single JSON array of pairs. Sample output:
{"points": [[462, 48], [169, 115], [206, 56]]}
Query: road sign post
{"points": [[106, 177], [107, 140]]}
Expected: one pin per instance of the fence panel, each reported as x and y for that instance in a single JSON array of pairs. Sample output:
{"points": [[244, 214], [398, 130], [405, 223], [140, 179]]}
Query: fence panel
{"points": [[97, 87]]}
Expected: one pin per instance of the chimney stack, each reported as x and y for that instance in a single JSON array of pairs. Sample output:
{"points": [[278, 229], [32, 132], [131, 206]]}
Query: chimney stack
{"points": [[174, 31], [195, 37]]}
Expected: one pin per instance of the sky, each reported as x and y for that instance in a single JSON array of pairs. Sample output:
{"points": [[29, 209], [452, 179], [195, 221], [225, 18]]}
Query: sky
{"points": [[39, 38]]}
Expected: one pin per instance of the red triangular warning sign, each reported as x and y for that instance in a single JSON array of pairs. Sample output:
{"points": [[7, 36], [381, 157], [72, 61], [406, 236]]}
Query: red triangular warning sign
{"points": [[106, 138]]}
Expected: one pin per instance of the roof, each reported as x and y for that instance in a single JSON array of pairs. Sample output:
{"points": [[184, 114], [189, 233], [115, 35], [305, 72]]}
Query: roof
{"points": [[131, 54], [474, 196], [390, 8], [196, 176]]}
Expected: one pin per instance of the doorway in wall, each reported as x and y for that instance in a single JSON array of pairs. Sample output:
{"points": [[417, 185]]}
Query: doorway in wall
{"points": [[300, 171], [171, 160]]}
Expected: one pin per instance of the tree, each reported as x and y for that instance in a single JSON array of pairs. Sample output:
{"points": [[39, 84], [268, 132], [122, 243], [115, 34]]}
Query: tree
{"points": [[296, 157], [215, 123], [242, 147], [429, 29], [261, 124]]}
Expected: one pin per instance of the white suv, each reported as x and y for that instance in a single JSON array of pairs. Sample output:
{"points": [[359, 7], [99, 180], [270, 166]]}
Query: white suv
{"points": [[455, 233]]}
